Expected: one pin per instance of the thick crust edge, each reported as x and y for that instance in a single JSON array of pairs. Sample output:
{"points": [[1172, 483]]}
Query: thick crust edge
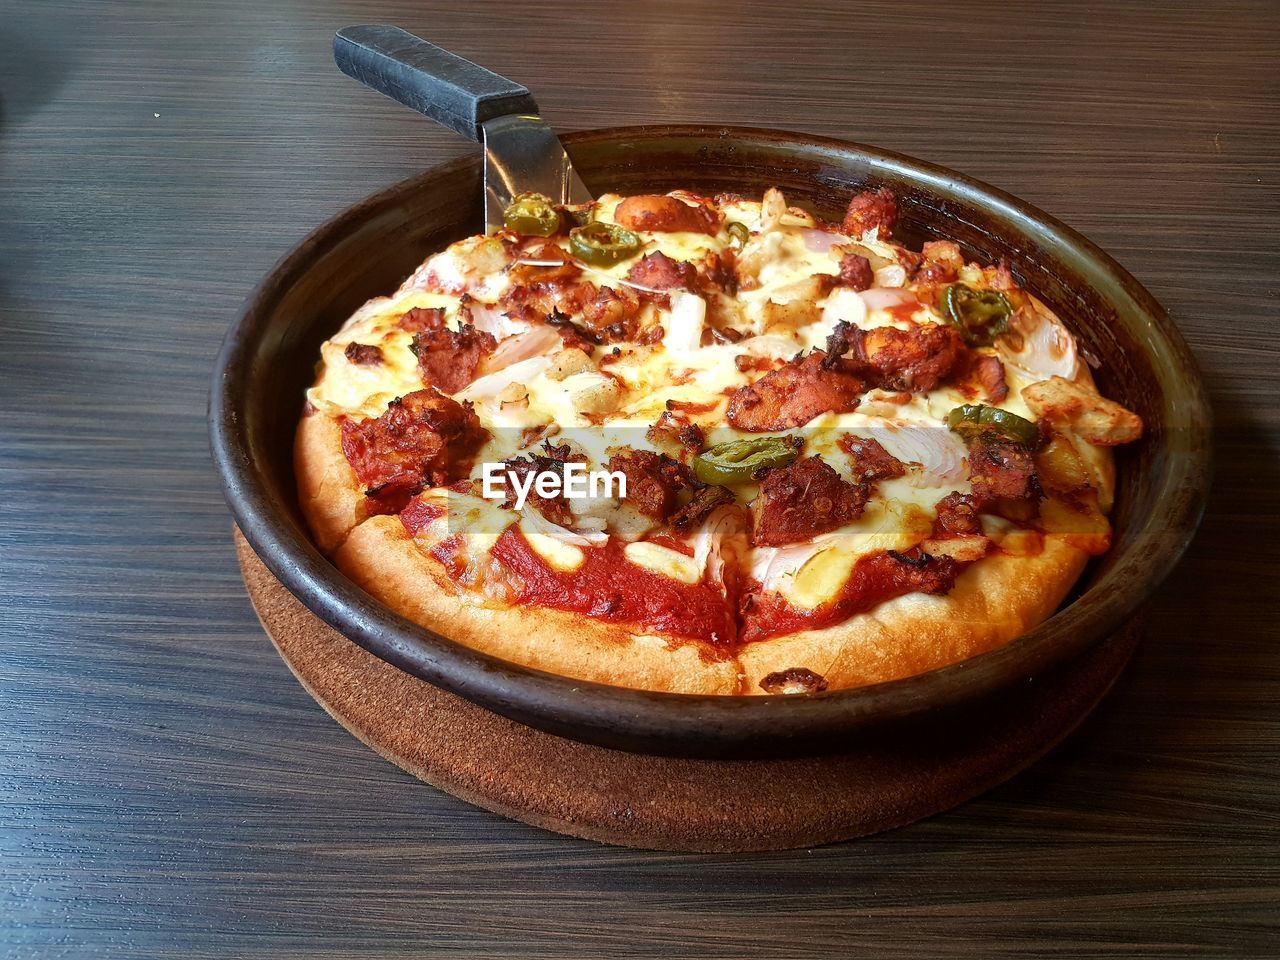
{"points": [[994, 601], [328, 492], [381, 558]]}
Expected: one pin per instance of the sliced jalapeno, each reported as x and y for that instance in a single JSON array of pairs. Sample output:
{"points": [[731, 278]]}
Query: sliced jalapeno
{"points": [[532, 215], [980, 315], [600, 244], [738, 460], [738, 231], [972, 420]]}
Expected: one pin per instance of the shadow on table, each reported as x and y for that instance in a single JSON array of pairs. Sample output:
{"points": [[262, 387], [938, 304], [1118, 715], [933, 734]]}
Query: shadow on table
{"points": [[31, 74], [30, 77]]}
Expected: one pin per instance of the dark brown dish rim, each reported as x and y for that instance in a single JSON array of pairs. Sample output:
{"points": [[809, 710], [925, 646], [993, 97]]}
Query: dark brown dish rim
{"points": [[268, 356]]}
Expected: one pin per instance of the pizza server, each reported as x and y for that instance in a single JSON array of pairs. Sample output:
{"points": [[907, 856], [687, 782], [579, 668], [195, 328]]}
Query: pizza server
{"points": [[522, 153]]}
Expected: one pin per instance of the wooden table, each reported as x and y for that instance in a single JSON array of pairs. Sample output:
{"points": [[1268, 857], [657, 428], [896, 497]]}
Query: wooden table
{"points": [[167, 789]]}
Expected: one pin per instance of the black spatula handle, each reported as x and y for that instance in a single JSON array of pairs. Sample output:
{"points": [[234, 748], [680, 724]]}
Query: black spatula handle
{"points": [[456, 92]]}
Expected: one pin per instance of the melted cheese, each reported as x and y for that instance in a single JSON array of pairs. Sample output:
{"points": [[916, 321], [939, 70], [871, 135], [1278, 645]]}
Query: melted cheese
{"points": [[559, 555], [664, 560], [809, 574]]}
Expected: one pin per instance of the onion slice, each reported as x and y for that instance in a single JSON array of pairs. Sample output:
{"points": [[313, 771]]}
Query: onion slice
{"points": [[535, 522], [894, 275], [490, 385], [1048, 350], [536, 342], [845, 305], [490, 320], [939, 452], [771, 564], [708, 541], [821, 241]]}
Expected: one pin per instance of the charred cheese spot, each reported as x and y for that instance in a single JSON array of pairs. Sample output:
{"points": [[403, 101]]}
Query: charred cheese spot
{"points": [[793, 680]]}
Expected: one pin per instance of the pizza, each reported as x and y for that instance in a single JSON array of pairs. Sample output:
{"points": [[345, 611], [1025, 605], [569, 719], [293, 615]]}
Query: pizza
{"points": [[710, 445]]}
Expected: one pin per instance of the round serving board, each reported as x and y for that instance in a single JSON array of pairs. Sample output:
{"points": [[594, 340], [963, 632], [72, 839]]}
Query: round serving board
{"points": [[667, 803]]}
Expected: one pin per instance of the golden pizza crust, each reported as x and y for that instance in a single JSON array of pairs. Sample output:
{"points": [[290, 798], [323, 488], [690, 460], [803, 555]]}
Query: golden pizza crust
{"points": [[328, 492], [382, 559], [993, 601]]}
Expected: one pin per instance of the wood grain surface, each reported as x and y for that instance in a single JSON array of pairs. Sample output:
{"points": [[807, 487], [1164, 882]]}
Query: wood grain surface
{"points": [[168, 790]]}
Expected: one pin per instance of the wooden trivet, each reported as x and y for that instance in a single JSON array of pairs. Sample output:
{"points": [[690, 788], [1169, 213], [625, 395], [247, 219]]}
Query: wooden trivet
{"points": [[665, 803]]}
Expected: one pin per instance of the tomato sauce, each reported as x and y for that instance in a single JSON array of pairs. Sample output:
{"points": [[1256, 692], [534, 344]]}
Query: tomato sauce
{"points": [[688, 406], [875, 579], [449, 552], [610, 587], [672, 543], [903, 311], [419, 514]]}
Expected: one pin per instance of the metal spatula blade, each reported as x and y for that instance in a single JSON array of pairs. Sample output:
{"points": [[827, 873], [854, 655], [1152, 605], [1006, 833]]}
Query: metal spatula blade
{"points": [[522, 153]]}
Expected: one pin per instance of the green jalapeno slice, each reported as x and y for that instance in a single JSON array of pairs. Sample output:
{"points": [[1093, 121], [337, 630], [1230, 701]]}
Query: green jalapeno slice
{"points": [[979, 315], [972, 420], [738, 460], [738, 231], [532, 215], [600, 244]]}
